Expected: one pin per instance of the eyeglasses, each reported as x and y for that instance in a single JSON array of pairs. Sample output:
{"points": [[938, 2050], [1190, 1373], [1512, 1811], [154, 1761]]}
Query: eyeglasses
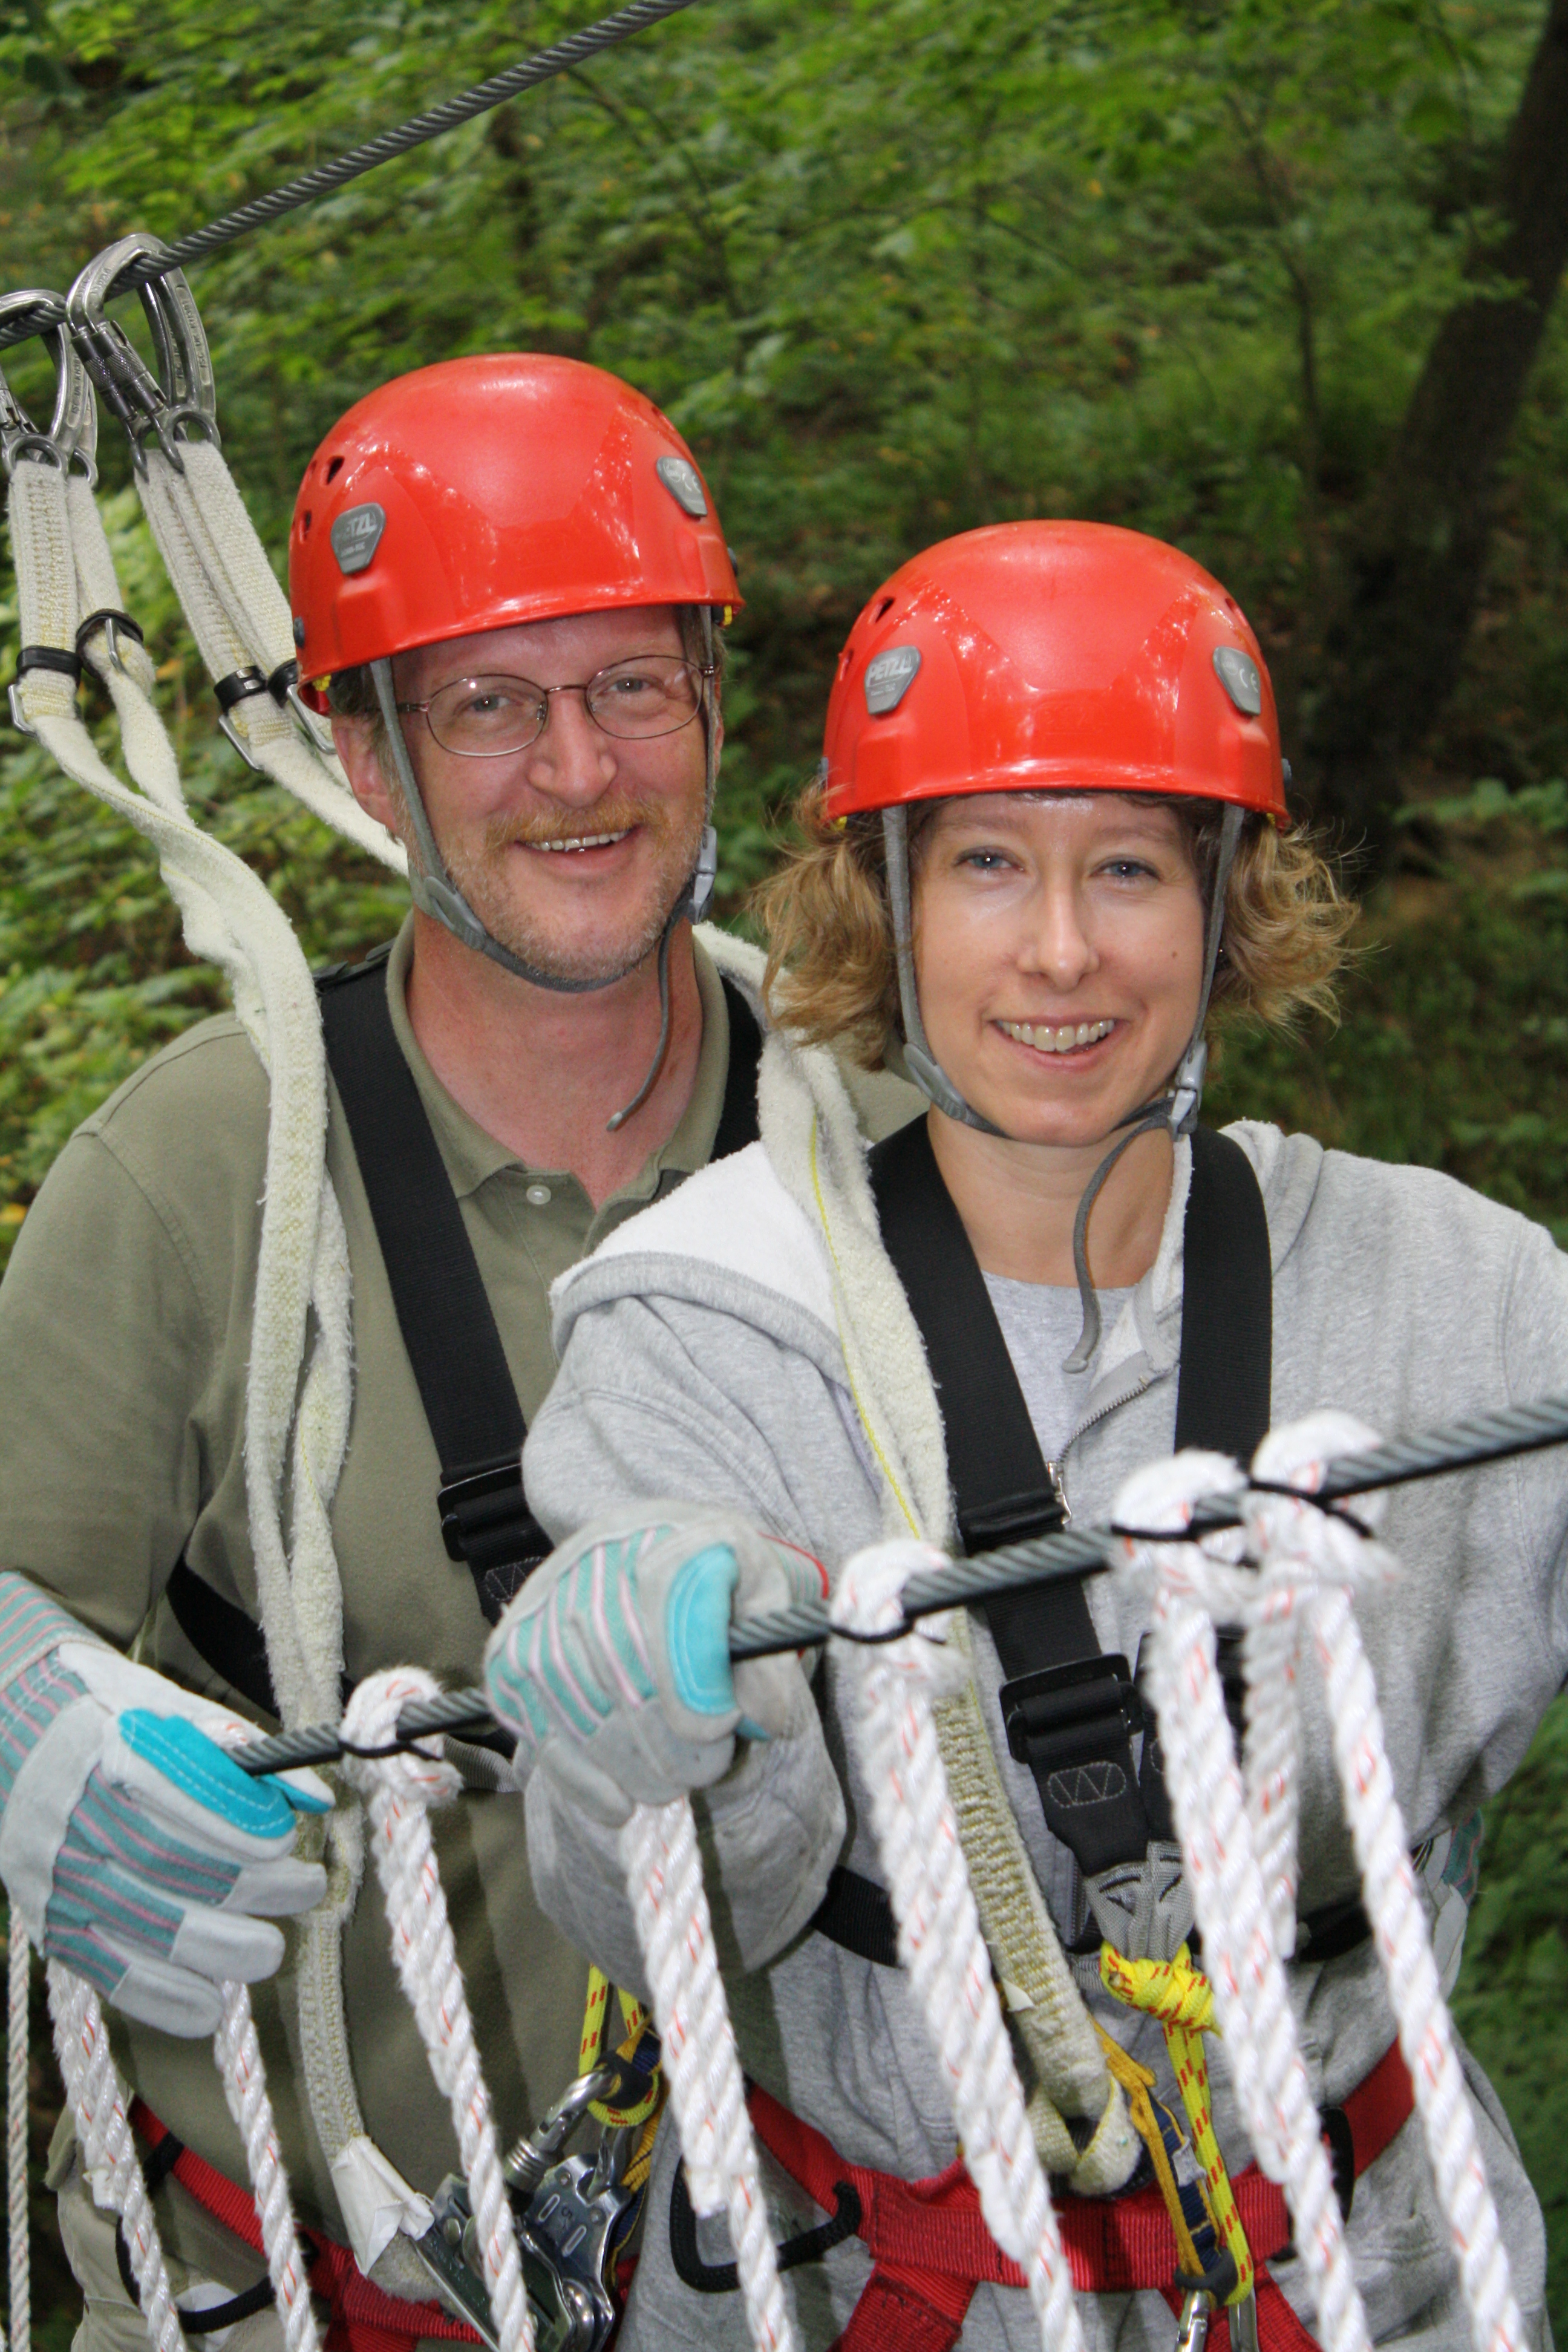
{"points": [[483, 717]]}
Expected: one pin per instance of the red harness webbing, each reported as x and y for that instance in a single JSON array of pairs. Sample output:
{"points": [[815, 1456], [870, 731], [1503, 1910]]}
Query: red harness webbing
{"points": [[931, 2248], [364, 2318]]}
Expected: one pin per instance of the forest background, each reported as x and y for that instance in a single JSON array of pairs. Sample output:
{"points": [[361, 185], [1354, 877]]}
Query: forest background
{"points": [[1271, 278]]}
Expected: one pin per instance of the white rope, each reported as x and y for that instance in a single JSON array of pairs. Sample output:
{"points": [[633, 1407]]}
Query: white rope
{"points": [[701, 2063], [940, 1938], [1241, 1948], [1325, 1557], [239, 2056], [399, 1790], [108, 2156], [19, 1970]]}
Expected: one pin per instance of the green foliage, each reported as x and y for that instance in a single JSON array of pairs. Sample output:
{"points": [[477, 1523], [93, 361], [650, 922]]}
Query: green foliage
{"points": [[1452, 1048], [1511, 2001], [898, 267]]}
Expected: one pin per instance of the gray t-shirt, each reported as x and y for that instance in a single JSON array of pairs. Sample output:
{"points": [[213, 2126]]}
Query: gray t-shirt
{"points": [[1040, 1322]]}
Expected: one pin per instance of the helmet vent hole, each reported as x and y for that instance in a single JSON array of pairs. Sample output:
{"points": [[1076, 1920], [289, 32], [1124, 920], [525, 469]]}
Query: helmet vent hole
{"points": [[334, 469], [305, 524], [884, 608]]}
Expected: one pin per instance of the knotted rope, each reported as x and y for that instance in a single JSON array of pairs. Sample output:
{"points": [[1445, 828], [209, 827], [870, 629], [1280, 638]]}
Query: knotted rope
{"points": [[399, 1791], [675, 1930], [108, 2155], [940, 1940], [1320, 1558], [1238, 1833], [19, 1958]]}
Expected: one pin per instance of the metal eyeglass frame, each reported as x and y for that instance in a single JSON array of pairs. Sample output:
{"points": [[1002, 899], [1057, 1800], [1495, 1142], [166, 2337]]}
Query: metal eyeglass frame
{"points": [[701, 671]]}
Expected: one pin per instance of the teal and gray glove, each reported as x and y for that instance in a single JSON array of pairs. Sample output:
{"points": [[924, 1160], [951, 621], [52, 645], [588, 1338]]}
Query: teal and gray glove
{"points": [[133, 1848], [613, 1663]]}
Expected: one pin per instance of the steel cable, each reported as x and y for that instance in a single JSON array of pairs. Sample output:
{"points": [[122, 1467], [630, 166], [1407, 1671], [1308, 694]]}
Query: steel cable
{"points": [[556, 60], [1077, 1551]]}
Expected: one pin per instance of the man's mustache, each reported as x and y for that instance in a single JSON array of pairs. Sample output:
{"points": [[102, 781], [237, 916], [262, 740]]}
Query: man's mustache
{"points": [[617, 813]]}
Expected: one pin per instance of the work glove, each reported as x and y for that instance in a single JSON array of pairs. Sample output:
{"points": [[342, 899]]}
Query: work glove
{"points": [[132, 1848], [613, 1666]]}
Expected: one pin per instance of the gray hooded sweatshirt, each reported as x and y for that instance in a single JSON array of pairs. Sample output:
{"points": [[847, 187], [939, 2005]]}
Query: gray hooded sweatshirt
{"points": [[746, 1343]]}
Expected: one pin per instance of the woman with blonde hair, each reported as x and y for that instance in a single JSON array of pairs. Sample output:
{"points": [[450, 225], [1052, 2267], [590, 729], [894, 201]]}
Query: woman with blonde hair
{"points": [[1049, 840]]}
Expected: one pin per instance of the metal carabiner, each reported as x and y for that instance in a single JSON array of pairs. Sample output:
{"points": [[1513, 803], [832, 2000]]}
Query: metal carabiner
{"points": [[530, 2159], [184, 392], [72, 435]]}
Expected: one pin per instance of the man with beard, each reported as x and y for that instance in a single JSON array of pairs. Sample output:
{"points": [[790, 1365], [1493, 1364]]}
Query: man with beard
{"points": [[509, 586]]}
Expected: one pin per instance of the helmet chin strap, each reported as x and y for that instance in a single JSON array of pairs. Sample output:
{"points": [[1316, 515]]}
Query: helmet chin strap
{"points": [[1176, 1110], [436, 894]]}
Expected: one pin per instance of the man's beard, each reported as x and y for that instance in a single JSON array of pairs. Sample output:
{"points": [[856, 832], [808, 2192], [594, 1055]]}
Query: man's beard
{"points": [[675, 835]]}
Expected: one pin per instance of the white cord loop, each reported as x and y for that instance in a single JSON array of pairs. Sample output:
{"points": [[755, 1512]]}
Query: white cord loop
{"points": [[940, 1940], [707, 2092], [19, 1962], [107, 2153], [1326, 1558], [400, 1791]]}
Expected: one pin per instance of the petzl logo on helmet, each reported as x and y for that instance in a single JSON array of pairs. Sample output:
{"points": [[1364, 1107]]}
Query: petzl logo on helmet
{"points": [[356, 534], [684, 483], [1237, 673], [889, 677]]}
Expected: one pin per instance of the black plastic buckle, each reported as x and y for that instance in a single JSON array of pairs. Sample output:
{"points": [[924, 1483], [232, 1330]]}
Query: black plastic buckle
{"points": [[479, 1503], [1054, 1715]]}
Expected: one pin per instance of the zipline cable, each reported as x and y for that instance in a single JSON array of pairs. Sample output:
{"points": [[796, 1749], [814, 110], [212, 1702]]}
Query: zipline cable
{"points": [[1077, 1551], [529, 71]]}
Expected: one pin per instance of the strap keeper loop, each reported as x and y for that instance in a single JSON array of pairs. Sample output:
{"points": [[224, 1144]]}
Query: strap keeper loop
{"points": [[239, 687]]}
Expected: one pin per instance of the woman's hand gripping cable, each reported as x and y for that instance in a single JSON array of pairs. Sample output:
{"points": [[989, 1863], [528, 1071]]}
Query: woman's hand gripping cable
{"points": [[613, 1664], [135, 1851]]}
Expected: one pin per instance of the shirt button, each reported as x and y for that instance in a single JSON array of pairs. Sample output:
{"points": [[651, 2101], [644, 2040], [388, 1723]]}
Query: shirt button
{"points": [[538, 1196]]}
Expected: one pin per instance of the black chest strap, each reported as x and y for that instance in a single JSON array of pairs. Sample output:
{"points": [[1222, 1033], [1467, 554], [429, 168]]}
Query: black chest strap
{"points": [[444, 1313], [1068, 1710]]}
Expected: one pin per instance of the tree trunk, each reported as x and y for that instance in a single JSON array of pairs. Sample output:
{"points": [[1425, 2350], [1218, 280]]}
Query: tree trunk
{"points": [[1414, 564]]}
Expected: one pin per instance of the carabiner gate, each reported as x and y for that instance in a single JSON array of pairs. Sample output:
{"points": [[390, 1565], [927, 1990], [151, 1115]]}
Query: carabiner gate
{"points": [[72, 435], [182, 393]]}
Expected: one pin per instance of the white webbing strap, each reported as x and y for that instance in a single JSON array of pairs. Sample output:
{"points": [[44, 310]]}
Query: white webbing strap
{"points": [[702, 2063], [230, 916], [239, 618], [940, 1938], [399, 1791]]}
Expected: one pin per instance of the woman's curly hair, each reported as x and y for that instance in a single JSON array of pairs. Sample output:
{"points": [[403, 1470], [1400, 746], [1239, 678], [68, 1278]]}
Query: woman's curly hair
{"points": [[831, 974]]}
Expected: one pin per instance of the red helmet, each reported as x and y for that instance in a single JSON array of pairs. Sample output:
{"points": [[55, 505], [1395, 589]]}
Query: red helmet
{"points": [[488, 492], [1041, 656]]}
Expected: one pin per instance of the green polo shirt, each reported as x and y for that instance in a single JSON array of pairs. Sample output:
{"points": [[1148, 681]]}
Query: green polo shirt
{"points": [[125, 1321]]}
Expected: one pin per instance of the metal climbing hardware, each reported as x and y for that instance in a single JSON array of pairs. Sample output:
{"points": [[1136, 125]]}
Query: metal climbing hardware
{"points": [[72, 435], [572, 2215], [184, 392]]}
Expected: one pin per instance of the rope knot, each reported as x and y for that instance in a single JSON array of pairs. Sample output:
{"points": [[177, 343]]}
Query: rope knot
{"points": [[417, 1775], [869, 1604], [1308, 1542]]}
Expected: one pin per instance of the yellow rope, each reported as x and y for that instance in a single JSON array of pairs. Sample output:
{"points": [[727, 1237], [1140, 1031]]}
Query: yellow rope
{"points": [[635, 2023], [1182, 1998], [1138, 2084]]}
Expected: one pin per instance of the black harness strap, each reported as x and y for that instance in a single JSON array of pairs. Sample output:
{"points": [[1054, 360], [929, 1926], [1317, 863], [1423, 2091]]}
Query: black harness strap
{"points": [[443, 1312], [1069, 1711]]}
